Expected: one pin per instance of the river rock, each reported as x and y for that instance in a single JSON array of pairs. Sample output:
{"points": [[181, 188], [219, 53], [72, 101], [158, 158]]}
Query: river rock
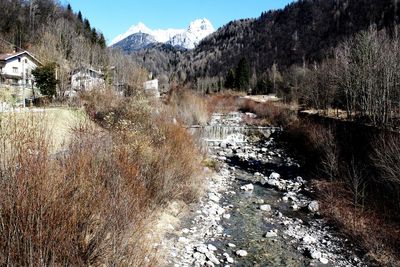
{"points": [[202, 248], [211, 247], [213, 197], [316, 254], [212, 257], [271, 233], [265, 207], [226, 216], [231, 245], [274, 176], [313, 206], [228, 258], [247, 187], [323, 260], [241, 253], [309, 239]]}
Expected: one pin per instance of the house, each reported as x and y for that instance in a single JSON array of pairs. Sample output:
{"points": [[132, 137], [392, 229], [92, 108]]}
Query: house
{"points": [[151, 88], [16, 79], [85, 79], [16, 69]]}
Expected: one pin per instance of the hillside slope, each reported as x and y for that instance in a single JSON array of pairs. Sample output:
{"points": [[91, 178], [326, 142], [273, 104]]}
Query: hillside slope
{"points": [[306, 30]]}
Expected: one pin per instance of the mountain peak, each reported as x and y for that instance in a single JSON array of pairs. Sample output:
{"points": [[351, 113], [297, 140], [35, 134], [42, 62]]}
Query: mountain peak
{"points": [[201, 24], [189, 38]]}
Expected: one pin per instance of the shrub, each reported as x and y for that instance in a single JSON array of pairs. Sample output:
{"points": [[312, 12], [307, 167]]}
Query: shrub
{"points": [[90, 204]]}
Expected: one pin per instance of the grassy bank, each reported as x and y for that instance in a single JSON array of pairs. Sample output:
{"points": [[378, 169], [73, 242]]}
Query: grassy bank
{"points": [[93, 203]]}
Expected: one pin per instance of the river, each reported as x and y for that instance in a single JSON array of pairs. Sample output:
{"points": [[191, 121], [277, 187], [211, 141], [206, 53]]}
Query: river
{"points": [[258, 210]]}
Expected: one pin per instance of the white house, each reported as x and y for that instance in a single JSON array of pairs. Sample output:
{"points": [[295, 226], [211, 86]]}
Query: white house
{"points": [[151, 87], [16, 69], [85, 79]]}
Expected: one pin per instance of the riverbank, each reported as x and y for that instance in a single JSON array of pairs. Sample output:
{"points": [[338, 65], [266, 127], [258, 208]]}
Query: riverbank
{"points": [[257, 212]]}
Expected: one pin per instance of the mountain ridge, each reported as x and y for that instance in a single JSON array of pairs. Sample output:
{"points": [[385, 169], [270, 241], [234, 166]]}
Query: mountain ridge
{"points": [[183, 38]]}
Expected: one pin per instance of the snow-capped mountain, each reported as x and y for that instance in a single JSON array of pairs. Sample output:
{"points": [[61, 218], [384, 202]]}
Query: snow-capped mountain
{"points": [[189, 38], [197, 31]]}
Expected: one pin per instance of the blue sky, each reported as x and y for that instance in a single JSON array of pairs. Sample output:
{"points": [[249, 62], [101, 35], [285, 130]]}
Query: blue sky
{"points": [[114, 17]]}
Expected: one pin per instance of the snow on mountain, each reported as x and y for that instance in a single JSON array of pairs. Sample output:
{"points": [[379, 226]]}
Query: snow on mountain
{"points": [[188, 38], [197, 31]]}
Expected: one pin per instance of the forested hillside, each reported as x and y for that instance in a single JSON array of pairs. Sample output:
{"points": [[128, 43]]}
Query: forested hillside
{"points": [[304, 31], [301, 33]]}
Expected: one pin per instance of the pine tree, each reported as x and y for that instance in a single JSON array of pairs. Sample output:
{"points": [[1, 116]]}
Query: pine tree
{"points": [[242, 79], [102, 41], [230, 79], [80, 16]]}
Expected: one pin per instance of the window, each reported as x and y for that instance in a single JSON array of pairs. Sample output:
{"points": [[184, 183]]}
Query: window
{"points": [[26, 61], [15, 70]]}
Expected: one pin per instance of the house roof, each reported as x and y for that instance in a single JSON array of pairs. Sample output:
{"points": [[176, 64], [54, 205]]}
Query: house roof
{"points": [[87, 69], [8, 56]]}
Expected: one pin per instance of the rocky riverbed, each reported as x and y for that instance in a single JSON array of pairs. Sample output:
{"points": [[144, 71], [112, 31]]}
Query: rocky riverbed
{"points": [[257, 210]]}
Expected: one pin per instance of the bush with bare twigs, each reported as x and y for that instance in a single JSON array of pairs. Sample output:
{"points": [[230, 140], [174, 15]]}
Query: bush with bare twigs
{"points": [[90, 204]]}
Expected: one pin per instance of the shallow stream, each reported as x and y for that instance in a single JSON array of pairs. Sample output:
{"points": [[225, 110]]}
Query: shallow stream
{"points": [[258, 210]]}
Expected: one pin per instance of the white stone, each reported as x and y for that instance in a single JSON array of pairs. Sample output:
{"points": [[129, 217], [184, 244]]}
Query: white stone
{"points": [[275, 176], [316, 254], [226, 216], [231, 245], [309, 240], [271, 233], [228, 258], [212, 257], [202, 249], [265, 207], [257, 174], [247, 187], [211, 247], [323, 260], [295, 207], [241, 253], [313, 206], [183, 239]]}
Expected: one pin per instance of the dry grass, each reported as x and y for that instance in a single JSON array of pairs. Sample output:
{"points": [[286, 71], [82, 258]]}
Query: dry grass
{"points": [[92, 204], [378, 237], [270, 112], [189, 107]]}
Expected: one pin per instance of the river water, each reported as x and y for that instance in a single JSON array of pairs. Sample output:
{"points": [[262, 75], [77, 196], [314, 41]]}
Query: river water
{"points": [[258, 210]]}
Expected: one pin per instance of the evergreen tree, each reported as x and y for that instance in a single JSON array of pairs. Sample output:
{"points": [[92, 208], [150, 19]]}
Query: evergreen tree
{"points": [[86, 25], [45, 79], [93, 36], [242, 79], [102, 41], [230, 79], [80, 16]]}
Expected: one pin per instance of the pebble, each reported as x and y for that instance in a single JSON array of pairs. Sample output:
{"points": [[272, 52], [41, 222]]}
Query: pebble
{"points": [[309, 239], [241, 253], [265, 207], [313, 206], [226, 216], [247, 187], [271, 233], [211, 247]]}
